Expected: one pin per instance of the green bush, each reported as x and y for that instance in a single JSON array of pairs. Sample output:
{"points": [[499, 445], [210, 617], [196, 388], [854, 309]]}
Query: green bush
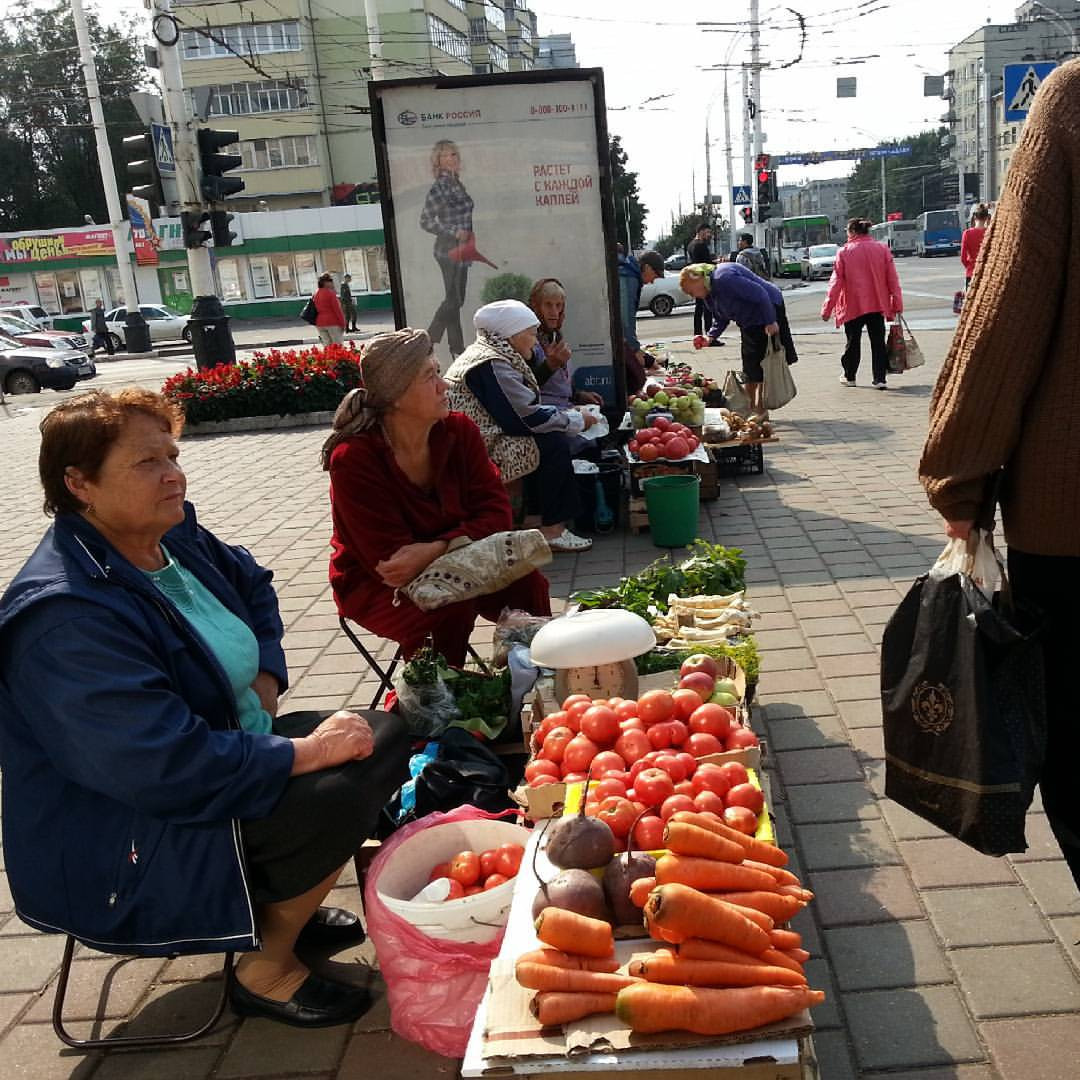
{"points": [[506, 287]]}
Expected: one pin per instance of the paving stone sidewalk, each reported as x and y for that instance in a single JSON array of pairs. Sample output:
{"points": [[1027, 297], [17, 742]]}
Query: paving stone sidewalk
{"points": [[938, 962]]}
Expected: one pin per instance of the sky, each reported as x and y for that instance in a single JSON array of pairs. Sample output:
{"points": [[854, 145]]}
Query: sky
{"points": [[656, 56]]}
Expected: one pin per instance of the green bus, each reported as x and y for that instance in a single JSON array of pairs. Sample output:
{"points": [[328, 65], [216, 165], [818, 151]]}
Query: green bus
{"points": [[786, 240]]}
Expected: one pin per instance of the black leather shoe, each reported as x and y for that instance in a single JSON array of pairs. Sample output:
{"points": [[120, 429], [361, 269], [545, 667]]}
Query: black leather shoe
{"points": [[331, 928], [318, 1003]]}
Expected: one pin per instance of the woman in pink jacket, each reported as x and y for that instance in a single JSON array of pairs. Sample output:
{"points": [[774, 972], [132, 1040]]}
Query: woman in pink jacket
{"points": [[863, 291]]}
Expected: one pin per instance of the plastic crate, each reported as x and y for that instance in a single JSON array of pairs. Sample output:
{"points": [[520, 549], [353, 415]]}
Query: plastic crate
{"points": [[748, 460]]}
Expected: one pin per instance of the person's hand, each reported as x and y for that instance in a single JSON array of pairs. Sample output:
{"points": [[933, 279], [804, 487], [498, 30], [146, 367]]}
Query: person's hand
{"points": [[590, 419], [462, 235], [772, 329], [824, 318], [407, 562], [700, 341], [557, 354], [959, 529], [587, 397], [342, 737], [267, 689]]}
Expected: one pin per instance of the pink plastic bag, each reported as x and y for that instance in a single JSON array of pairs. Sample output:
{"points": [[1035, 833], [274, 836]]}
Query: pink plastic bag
{"points": [[434, 986]]}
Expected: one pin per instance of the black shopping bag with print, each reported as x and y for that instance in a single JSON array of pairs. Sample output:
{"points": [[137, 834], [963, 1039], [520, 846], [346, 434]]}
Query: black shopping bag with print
{"points": [[963, 704]]}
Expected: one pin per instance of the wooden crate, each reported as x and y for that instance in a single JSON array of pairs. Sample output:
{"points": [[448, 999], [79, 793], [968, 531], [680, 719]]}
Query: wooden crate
{"points": [[637, 517]]}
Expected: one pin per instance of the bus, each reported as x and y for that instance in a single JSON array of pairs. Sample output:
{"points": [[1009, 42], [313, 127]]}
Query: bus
{"points": [[787, 238], [900, 237], [938, 233]]}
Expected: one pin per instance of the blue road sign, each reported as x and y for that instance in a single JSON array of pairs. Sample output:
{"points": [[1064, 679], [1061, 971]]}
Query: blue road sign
{"points": [[1021, 81], [163, 149], [740, 195], [816, 157]]}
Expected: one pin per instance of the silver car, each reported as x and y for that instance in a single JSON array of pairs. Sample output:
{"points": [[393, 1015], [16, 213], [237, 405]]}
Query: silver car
{"points": [[818, 262], [163, 323]]}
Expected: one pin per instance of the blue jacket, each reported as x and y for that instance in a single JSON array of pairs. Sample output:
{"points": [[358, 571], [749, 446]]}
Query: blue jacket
{"points": [[629, 297], [124, 768], [738, 295]]}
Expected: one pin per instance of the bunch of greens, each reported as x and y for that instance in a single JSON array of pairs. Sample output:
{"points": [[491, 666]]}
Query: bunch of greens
{"points": [[480, 696], [710, 570], [425, 668], [743, 651]]}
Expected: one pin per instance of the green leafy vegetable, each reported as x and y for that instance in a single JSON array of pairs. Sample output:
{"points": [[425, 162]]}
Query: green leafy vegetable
{"points": [[743, 651], [486, 697]]}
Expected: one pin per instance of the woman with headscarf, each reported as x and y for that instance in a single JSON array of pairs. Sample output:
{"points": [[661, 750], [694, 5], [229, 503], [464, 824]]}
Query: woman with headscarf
{"points": [[492, 383], [407, 476], [447, 214]]}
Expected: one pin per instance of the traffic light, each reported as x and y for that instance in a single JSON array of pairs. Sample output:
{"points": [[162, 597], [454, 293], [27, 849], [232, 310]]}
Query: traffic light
{"points": [[747, 213], [766, 185], [142, 165], [194, 225], [215, 185], [219, 226]]}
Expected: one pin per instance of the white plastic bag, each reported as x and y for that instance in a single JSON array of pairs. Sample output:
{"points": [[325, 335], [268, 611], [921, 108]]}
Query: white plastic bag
{"points": [[975, 557]]}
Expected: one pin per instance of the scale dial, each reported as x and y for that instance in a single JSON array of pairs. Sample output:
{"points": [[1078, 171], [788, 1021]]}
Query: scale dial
{"points": [[617, 679]]}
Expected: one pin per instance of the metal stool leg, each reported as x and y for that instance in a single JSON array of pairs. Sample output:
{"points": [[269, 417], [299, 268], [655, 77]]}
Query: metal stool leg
{"points": [[386, 675], [130, 1040]]}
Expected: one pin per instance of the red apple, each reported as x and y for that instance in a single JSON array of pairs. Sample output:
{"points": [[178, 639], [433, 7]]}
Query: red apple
{"points": [[700, 662], [700, 682]]}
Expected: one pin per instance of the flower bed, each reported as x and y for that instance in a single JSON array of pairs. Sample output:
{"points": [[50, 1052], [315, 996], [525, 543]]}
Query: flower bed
{"points": [[276, 383]]}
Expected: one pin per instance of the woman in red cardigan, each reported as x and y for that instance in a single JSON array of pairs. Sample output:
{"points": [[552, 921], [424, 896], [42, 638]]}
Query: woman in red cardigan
{"points": [[406, 477], [330, 318]]}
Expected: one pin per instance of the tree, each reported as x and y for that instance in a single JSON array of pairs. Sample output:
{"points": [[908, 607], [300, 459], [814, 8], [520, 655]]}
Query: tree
{"points": [[907, 179], [49, 173], [624, 188], [685, 227]]}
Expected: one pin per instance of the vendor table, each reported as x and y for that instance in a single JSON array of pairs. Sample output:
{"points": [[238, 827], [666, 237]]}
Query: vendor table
{"points": [[766, 1059]]}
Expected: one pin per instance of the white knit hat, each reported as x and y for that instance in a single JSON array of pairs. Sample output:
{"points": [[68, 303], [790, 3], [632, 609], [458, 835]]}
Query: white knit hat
{"points": [[505, 318]]}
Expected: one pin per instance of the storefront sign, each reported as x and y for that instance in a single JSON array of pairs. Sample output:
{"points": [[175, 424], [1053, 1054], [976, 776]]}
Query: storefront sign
{"points": [[261, 284], [144, 237], [47, 247], [489, 184]]}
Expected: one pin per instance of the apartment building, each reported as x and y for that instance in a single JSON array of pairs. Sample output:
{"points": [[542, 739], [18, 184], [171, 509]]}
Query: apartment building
{"points": [[557, 51], [291, 76]]}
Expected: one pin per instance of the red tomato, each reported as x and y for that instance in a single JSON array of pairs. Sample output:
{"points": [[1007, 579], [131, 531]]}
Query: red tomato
{"points": [[689, 762], [684, 787], [543, 779], [606, 788], [739, 817], [607, 761], [579, 752], [633, 723], [700, 682], [686, 701], [487, 863], [659, 736], [632, 745], [568, 701], [693, 442], [711, 778], [708, 802], [574, 777], [653, 786], [618, 814], [661, 423], [465, 867], [626, 710], [555, 742], [739, 738], [746, 795], [649, 452], [701, 744], [493, 881], [457, 890], [647, 435], [648, 834], [734, 773], [442, 870], [672, 766], [576, 710], [508, 859], [673, 803], [601, 724], [679, 732], [655, 706], [711, 719], [612, 774], [633, 446], [677, 448], [472, 890], [540, 767], [700, 662]]}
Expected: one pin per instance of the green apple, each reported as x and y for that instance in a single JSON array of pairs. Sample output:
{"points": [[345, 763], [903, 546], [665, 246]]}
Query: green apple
{"points": [[719, 697], [726, 686]]}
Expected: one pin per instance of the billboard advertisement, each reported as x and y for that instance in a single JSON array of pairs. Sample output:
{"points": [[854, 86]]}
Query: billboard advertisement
{"points": [[144, 236], [44, 247], [489, 184]]}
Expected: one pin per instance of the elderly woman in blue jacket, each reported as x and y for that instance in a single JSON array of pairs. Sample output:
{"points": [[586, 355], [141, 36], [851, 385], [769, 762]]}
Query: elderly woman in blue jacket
{"points": [[154, 803]]}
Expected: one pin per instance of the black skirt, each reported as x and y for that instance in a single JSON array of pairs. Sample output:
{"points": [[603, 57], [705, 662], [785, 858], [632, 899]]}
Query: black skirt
{"points": [[323, 817]]}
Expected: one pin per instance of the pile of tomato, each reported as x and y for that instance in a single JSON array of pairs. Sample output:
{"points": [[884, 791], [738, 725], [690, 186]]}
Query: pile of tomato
{"points": [[664, 439], [472, 872]]}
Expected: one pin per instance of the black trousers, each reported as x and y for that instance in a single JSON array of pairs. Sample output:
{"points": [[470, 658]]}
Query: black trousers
{"points": [[552, 490], [447, 317], [1052, 583], [874, 322], [702, 318], [755, 341]]}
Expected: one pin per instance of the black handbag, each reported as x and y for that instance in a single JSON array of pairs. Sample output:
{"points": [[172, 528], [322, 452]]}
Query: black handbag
{"points": [[963, 709], [309, 312]]}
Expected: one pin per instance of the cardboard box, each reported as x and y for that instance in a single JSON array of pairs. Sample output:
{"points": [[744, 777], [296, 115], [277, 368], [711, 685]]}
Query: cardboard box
{"points": [[710, 477]]}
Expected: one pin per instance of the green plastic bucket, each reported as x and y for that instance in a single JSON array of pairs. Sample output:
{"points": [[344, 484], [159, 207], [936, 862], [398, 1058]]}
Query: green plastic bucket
{"points": [[672, 506]]}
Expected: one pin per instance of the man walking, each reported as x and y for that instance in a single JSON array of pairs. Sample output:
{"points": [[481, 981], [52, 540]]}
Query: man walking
{"points": [[348, 305], [699, 251], [751, 257], [100, 328]]}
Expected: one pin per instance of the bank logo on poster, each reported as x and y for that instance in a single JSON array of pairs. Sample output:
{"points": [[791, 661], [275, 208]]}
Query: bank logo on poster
{"points": [[407, 117]]}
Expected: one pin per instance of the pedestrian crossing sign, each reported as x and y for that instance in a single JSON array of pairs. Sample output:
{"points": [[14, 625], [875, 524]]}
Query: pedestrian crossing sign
{"points": [[1020, 82], [163, 149]]}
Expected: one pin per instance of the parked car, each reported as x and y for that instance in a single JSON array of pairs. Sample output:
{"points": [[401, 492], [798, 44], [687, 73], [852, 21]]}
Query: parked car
{"points": [[33, 314], [164, 323], [29, 334], [818, 261], [675, 262], [663, 295], [26, 370]]}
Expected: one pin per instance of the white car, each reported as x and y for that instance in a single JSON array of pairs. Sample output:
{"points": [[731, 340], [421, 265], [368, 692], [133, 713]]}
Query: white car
{"points": [[164, 324], [818, 261], [663, 295], [31, 313]]}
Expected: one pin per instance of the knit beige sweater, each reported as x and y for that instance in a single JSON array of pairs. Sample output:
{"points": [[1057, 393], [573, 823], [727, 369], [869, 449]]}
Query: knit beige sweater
{"points": [[1009, 392]]}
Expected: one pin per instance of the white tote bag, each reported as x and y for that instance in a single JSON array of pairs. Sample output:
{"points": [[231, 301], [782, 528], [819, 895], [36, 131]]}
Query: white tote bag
{"points": [[779, 385]]}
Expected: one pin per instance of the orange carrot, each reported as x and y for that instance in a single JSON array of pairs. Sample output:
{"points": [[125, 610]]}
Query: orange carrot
{"points": [[800, 894], [700, 949], [658, 933], [754, 848], [648, 1007], [684, 972], [552, 1007], [547, 977], [557, 958], [710, 874], [778, 907], [755, 916], [679, 909], [785, 939], [778, 873], [640, 889], [800, 956], [685, 839], [573, 933]]}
